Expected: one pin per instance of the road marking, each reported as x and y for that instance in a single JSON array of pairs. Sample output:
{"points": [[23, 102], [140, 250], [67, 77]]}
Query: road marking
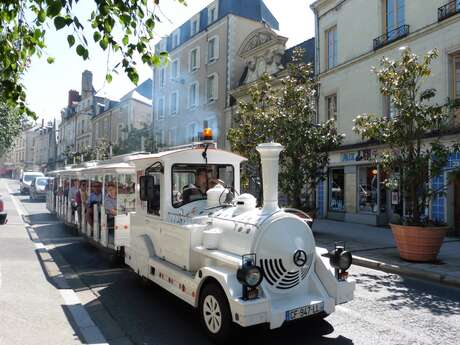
{"points": [[86, 326]]}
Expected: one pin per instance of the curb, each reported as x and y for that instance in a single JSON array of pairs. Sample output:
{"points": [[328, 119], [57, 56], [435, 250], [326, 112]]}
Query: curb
{"points": [[405, 271]]}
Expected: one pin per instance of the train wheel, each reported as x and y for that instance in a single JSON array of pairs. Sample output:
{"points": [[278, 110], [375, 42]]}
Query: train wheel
{"points": [[215, 313]]}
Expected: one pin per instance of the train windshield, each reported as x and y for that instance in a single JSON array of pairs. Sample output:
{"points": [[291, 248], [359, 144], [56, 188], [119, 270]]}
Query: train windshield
{"points": [[191, 181]]}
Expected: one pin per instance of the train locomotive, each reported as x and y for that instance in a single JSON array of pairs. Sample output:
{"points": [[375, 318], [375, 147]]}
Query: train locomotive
{"points": [[215, 249]]}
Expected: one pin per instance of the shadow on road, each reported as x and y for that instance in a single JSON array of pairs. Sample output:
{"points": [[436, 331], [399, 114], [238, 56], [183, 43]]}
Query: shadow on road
{"points": [[411, 293]]}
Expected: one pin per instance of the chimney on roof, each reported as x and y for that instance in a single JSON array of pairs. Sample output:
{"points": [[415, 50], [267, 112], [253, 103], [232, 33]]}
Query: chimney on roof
{"points": [[74, 96], [86, 84]]}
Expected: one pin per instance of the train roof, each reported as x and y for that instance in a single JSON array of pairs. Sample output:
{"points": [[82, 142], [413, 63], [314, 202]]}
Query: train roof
{"points": [[128, 162]]}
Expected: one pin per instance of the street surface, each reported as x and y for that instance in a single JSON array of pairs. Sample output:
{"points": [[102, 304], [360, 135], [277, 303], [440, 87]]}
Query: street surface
{"points": [[44, 266]]}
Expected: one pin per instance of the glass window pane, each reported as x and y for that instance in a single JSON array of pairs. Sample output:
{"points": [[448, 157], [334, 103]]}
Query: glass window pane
{"points": [[191, 181], [337, 190], [367, 189], [126, 196]]}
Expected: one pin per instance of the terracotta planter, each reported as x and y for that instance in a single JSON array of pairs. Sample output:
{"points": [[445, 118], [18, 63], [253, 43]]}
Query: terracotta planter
{"points": [[417, 243]]}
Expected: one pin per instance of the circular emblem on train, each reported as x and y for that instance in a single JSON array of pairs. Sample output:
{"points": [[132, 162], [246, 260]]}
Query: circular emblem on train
{"points": [[300, 258]]}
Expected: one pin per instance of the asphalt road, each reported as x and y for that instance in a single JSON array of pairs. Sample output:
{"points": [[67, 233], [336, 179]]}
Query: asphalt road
{"points": [[387, 309]]}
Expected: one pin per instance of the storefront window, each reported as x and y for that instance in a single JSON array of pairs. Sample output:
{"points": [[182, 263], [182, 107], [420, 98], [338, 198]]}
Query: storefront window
{"points": [[368, 189], [337, 190]]}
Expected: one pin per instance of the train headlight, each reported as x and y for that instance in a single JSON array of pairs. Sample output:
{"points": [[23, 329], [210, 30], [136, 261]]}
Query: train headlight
{"points": [[250, 276], [341, 259]]}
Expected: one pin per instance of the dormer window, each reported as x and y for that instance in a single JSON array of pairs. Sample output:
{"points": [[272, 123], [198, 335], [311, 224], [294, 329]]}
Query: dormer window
{"points": [[175, 39], [212, 14], [194, 25]]}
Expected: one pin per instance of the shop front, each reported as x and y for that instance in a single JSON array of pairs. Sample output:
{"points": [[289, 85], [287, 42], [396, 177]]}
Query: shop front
{"points": [[355, 189]]}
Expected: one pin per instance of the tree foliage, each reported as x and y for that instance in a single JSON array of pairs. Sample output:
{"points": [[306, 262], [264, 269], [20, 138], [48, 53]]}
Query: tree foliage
{"points": [[413, 137], [138, 139], [124, 27], [10, 127], [287, 114]]}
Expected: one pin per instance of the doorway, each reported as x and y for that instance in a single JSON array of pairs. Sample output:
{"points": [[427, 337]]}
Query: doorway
{"points": [[457, 205]]}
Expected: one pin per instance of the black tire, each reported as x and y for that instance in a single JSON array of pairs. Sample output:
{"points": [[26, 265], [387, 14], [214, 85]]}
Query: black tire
{"points": [[213, 293]]}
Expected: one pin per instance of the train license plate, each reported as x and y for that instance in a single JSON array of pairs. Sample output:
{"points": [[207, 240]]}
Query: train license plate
{"points": [[304, 311]]}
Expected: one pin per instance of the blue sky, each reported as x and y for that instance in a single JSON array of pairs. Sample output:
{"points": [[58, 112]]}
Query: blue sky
{"points": [[48, 85]]}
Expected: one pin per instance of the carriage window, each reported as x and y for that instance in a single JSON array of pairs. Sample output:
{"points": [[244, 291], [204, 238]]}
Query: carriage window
{"points": [[150, 191], [126, 196], [191, 181], [110, 195]]}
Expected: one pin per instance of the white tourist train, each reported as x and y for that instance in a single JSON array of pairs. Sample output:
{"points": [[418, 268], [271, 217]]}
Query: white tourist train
{"points": [[178, 220]]}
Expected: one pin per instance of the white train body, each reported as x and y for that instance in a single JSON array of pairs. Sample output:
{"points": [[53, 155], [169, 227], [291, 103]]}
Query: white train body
{"points": [[195, 248]]}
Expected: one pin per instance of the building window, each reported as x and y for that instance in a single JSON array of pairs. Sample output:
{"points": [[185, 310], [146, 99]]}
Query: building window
{"points": [[394, 16], [390, 108], [195, 25], [337, 190], [175, 38], [212, 14], [193, 95], [194, 61], [368, 184], [162, 77], [213, 49], [456, 77], [161, 108], [172, 132], [192, 132], [174, 103], [331, 107], [160, 137], [331, 47], [175, 69], [211, 88]]}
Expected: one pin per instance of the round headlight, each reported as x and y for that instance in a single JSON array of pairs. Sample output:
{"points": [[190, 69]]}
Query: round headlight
{"points": [[345, 260], [339, 258], [250, 276], [253, 276]]}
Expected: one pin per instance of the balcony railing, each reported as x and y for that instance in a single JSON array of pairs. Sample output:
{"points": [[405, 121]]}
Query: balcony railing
{"points": [[391, 36], [448, 10]]}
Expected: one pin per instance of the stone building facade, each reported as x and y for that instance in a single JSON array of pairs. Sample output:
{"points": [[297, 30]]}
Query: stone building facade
{"points": [[193, 90], [345, 54]]}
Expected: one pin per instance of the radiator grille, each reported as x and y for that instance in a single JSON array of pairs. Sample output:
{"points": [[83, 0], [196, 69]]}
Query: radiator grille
{"points": [[279, 277]]}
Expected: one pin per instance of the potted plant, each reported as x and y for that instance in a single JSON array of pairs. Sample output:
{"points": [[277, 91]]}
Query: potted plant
{"points": [[414, 151]]}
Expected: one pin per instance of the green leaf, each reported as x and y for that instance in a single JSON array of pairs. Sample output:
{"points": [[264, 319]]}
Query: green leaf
{"points": [[104, 43], [41, 16], [108, 77], [59, 22], [50, 60], [80, 50], [71, 40], [54, 8], [96, 36], [125, 40]]}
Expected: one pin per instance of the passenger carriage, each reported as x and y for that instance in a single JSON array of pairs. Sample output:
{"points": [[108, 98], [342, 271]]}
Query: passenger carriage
{"points": [[181, 222]]}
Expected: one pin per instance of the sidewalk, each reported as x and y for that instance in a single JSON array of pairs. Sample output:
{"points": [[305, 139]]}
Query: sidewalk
{"points": [[374, 247]]}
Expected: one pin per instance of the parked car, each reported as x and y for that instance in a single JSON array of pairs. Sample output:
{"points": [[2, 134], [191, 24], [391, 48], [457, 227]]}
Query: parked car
{"points": [[26, 180], [3, 213], [38, 188]]}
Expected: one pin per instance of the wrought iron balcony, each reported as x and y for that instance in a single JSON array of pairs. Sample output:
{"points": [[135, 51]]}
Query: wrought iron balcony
{"points": [[448, 10], [391, 36]]}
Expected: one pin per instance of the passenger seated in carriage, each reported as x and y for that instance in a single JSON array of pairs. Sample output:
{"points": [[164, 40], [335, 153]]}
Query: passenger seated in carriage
{"points": [[95, 197], [110, 205]]}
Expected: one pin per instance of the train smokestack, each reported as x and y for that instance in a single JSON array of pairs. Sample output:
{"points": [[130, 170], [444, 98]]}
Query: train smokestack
{"points": [[269, 157]]}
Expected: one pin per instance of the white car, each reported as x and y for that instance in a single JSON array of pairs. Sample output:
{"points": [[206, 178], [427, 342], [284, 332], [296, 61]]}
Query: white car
{"points": [[26, 180]]}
